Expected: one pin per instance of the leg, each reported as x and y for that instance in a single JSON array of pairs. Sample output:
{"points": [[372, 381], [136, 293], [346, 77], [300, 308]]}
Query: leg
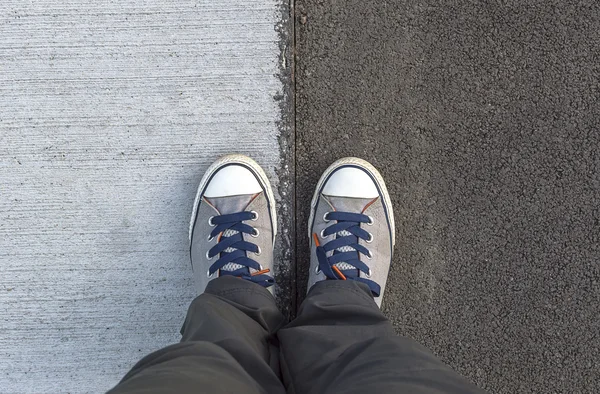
{"points": [[341, 342], [226, 346]]}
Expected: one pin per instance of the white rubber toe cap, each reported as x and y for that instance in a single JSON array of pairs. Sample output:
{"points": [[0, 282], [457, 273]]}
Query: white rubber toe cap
{"points": [[232, 180], [350, 182]]}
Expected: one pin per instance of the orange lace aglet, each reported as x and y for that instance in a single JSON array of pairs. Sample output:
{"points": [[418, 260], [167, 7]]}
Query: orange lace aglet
{"points": [[337, 271], [265, 271], [316, 239]]}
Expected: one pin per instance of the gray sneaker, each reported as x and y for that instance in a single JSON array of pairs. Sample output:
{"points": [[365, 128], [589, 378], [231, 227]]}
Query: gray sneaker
{"points": [[233, 224], [351, 226]]}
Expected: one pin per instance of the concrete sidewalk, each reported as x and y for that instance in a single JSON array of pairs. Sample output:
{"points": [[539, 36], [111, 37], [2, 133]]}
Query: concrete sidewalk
{"points": [[109, 114]]}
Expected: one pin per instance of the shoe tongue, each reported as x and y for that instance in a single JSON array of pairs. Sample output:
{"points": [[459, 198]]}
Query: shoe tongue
{"points": [[348, 204], [231, 204], [227, 205]]}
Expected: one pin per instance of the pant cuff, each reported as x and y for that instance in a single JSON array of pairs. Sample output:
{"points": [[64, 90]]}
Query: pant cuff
{"points": [[343, 292], [240, 291]]}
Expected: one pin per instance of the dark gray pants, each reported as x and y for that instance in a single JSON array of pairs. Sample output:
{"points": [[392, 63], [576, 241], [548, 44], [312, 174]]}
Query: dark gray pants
{"points": [[235, 340]]}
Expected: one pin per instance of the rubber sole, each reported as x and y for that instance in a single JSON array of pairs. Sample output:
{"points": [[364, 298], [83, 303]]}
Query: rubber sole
{"points": [[375, 175], [247, 162]]}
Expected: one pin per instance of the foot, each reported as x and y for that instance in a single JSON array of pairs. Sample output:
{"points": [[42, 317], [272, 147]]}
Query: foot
{"points": [[351, 226], [233, 224]]}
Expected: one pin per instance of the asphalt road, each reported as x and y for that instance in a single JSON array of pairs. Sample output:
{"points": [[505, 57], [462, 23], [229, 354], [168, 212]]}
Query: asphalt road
{"points": [[484, 118]]}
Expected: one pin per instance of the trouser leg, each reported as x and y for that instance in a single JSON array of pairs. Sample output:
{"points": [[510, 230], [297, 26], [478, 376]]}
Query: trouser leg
{"points": [[341, 343], [226, 347]]}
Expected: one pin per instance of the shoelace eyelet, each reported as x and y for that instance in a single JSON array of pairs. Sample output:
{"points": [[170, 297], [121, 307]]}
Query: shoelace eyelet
{"points": [[323, 234], [209, 275], [371, 221], [207, 256], [210, 223], [370, 238], [259, 251], [317, 270], [325, 217], [369, 274], [370, 255], [210, 238], [255, 215], [255, 234]]}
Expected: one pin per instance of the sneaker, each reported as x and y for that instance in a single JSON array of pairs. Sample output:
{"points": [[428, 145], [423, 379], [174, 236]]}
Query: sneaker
{"points": [[233, 224], [351, 226]]}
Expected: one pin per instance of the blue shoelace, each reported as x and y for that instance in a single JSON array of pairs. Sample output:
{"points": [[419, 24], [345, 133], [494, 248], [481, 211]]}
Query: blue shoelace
{"points": [[349, 222], [234, 221]]}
